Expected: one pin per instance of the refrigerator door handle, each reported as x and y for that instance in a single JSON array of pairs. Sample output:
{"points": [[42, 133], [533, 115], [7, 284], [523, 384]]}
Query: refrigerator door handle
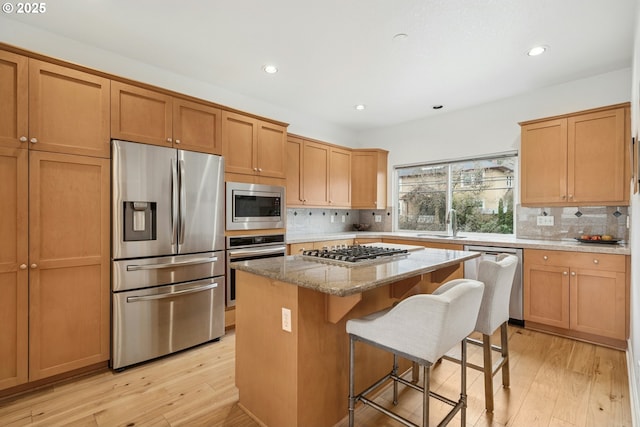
{"points": [[174, 203], [183, 202], [171, 264], [171, 294]]}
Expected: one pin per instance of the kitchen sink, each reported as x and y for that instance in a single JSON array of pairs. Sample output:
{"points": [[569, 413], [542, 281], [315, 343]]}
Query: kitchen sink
{"points": [[440, 236]]}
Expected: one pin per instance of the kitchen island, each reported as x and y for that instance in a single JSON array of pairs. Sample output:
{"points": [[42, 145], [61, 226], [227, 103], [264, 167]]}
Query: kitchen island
{"points": [[291, 343]]}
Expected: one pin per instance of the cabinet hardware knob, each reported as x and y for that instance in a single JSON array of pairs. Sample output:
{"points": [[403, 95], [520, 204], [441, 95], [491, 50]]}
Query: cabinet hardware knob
{"points": [[595, 261], [259, 169], [33, 140], [169, 139], [545, 257], [34, 265], [563, 197], [573, 273], [255, 169], [23, 139], [23, 266], [177, 141], [564, 273], [570, 196]]}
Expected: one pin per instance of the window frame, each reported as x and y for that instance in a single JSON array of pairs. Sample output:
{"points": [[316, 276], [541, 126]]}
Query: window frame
{"points": [[449, 191]]}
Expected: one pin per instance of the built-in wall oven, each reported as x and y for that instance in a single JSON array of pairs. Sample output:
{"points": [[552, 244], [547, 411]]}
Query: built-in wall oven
{"points": [[254, 206], [244, 248]]}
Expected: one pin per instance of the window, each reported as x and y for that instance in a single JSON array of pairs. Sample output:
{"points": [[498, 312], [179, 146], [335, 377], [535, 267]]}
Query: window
{"points": [[479, 190]]}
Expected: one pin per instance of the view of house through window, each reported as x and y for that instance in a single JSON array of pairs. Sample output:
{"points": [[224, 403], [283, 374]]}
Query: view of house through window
{"points": [[479, 190]]}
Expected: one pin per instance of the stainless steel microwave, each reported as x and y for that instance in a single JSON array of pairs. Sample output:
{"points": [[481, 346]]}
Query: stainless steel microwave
{"points": [[255, 206]]}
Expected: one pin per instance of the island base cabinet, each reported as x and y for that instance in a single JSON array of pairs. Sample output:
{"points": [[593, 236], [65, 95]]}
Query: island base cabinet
{"points": [[306, 371], [580, 295]]}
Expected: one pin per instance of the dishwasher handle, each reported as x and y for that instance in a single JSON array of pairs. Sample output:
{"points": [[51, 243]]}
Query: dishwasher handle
{"points": [[172, 294]]}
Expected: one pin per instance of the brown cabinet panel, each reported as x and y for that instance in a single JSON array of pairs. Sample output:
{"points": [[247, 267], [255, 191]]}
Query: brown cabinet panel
{"points": [[197, 127], [141, 115], [294, 171], [69, 263], [315, 174], [68, 110], [238, 135], [340, 178], [369, 179], [546, 295], [14, 276], [578, 159], [270, 149], [14, 106]]}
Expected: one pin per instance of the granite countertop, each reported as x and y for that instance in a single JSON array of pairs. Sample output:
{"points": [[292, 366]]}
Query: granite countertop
{"points": [[344, 280], [497, 240]]}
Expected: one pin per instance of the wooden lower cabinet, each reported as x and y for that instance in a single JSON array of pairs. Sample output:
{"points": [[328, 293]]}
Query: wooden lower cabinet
{"points": [[54, 264], [582, 295], [14, 276], [297, 248]]}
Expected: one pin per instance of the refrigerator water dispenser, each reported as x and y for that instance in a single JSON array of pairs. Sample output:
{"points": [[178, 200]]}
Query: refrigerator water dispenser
{"points": [[139, 221]]}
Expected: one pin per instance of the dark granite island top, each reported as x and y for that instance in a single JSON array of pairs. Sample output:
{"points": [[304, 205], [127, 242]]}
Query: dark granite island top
{"points": [[345, 279]]}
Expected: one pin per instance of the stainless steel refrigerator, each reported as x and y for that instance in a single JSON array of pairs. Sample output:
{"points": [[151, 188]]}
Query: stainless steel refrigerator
{"points": [[167, 251]]}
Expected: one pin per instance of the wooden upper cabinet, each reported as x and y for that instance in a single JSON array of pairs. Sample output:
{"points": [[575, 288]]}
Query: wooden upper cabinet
{"points": [[69, 262], [68, 110], [14, 105], [14, 274], [369, 179], [339, 177], [197, 127], [141, 115], [253, 147], [318, 174], [579, 159]]}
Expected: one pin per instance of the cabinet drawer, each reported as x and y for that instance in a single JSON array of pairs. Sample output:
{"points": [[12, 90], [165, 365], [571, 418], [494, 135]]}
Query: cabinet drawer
{"points": [[594, 261]]}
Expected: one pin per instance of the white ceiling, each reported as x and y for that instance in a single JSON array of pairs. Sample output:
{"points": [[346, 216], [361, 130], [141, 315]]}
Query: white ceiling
{"points": [[333, 54]]}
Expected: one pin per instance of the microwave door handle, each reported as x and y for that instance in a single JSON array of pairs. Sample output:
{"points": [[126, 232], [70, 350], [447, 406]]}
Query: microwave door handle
{"points": [[172, 294], [174, 203], [183, 202]]}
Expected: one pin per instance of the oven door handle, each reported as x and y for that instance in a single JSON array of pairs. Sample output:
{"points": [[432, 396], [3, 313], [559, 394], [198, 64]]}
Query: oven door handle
{"points": [[171, 264], [256, 252], [172, 294]]}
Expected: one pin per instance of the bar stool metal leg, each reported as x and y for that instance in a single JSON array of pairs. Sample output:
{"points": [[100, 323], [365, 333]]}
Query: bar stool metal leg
{"points": [[504, 344], [394, 374], [352, 402], [425, 395]]}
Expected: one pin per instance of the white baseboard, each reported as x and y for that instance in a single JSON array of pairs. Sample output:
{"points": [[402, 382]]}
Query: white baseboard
{"points": [[634, 393]]}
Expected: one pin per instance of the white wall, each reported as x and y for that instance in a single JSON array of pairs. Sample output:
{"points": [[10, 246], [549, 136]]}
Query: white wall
{"points": [[39, 41]]}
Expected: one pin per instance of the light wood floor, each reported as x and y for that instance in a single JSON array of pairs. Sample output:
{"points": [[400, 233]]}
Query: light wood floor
{"points": [[556, 382]]}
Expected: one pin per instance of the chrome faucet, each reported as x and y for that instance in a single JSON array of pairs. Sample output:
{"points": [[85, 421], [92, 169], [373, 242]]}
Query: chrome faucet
{"points": [[452, 218]]}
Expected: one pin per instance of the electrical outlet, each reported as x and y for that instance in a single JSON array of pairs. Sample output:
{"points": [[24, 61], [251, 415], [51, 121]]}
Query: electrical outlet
{"points": [[378, 218], [333, 219], [545, 221], [286, 319], [344, 218]]}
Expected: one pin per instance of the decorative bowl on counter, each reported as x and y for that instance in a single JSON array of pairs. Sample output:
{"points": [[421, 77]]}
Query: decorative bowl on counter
{"points": [[361, 227], [597, 238]]}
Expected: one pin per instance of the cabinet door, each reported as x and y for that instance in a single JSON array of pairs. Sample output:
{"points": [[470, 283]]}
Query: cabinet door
{"points": [[270, 149], [69, 263], [239, 134], [369, 179], [315, 174], [597, 166], [14, 100], [68, 110], [197, 127], [140, 115], [14, 276], [598, 303], [546, 295], [339, 178], [294, 171], [543, 167]]}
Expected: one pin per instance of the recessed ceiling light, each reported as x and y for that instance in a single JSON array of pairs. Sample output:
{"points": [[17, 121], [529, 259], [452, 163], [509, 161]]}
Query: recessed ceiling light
{"points": [[360, 107], [270, 69], [400, 37], [437, 107], [535, 51]]}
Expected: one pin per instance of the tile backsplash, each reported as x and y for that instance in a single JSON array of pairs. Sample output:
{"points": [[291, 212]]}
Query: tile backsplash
{"points": [[572, 222], [569, 222], [317, 220]]}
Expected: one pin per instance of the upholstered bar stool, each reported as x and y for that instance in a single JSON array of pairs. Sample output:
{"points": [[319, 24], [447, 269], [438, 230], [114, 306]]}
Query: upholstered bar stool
{"points": [[497, 277], [421, 329]]}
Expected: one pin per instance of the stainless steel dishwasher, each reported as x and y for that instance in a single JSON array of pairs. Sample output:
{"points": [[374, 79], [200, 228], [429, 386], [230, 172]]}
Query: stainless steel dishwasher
{"points": [[491, 252]]}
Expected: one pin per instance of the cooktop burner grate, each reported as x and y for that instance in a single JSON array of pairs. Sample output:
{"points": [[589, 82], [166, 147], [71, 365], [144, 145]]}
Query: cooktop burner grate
{"points": [[354, 253]]}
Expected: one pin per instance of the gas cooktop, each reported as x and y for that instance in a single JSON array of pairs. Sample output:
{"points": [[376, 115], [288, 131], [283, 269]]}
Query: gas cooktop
{"points": [[354, 254]]}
